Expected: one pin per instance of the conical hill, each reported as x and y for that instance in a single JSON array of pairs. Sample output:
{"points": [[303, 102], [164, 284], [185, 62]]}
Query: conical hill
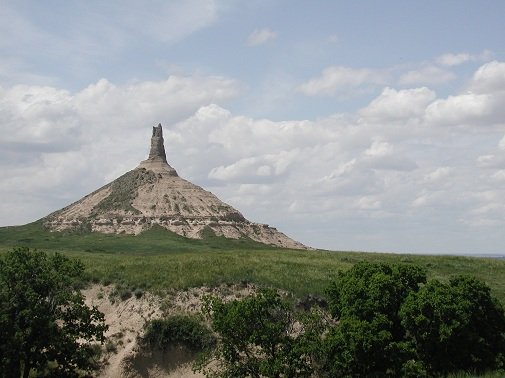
{"points": [[154, 194]]}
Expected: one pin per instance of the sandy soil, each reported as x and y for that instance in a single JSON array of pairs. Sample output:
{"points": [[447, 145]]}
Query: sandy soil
{"points": [[126, 320]]}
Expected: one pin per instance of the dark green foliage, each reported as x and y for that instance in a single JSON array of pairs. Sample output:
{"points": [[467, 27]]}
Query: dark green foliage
{"points": [[124, 190], [367, 290], [255, 338], [392, 323], [456, 326], [387, 322], [178, 331], [370, 340], [361, 348], [44, 322]]}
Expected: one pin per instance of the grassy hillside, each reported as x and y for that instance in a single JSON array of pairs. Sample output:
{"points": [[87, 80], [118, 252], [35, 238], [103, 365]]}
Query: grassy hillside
{"points": [[161, 260]]}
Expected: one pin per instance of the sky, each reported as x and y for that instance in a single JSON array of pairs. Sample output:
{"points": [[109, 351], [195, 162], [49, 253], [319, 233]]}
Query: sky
{"points": [[366, 125]]}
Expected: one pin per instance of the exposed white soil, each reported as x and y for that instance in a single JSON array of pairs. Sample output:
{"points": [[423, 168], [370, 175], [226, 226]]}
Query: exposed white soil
{"points": [[126, 320]]}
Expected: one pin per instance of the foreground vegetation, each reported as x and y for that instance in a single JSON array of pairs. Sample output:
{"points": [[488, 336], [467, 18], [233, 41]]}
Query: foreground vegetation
{"points": [[377, 319], [383, 320], [159, 260], [45, 326]]}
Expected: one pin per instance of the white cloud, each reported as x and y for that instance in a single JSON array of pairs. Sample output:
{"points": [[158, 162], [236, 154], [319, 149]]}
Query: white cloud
{"points": [[450, 59], [389, 163], [255, 169], [492, 160], [379, 148], [46, 116], [52, 139], [394, 104], [438, 174], [381, 155], [480, 105], [488, 211], [501, 144], [261, 36], [368, 203], [426, 75], [499, 176], [489, 78], [384, 166], [172, 99], [459, 110], [453, 59], [338, 78]]}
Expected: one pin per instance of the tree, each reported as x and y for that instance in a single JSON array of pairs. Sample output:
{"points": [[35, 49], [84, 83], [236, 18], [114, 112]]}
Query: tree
{"points": [[369, 339], [256, 338], [391, 322], [368, 289], [456, 326], [44, 322]]}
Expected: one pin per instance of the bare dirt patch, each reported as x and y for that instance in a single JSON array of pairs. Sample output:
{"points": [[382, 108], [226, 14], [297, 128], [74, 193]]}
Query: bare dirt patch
{"points": [[123, 357]]}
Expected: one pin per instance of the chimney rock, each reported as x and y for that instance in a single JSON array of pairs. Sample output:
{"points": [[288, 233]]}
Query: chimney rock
{"points": [[157, 160], [157, 147]]}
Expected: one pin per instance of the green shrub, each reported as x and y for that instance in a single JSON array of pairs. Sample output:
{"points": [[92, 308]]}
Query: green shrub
{"points": [[255, 339], [177, 331]]}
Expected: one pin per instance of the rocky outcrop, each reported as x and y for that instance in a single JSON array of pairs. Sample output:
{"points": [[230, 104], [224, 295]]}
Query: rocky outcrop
{"points": [[157, 144], [154, 194], [157, 160]]}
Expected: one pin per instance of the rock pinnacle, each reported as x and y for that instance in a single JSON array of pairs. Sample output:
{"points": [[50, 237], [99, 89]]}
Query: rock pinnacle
{"points": [[157, 147], [157, 160]]}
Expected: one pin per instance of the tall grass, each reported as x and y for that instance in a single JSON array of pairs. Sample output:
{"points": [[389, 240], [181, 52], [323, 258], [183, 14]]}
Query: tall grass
{"points": [[161, 260]]}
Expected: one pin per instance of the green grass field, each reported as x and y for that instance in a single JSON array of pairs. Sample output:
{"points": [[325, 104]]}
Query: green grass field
{"points": [[160, 260]]}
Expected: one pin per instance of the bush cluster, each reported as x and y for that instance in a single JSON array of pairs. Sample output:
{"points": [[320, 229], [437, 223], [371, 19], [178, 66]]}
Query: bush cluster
{"points": [[392, 322], [177, 331], [385, 320]]}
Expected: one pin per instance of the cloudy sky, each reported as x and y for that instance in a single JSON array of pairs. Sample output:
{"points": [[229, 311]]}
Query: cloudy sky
{"points": [[364, 125]]}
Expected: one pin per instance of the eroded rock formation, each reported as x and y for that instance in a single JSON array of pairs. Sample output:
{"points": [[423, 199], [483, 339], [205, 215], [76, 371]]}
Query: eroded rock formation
{"points": [[157, 144], [154, 194]]}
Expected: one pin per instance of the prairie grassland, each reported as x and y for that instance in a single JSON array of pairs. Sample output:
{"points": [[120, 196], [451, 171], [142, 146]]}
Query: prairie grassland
{"points": [[159, 260]]}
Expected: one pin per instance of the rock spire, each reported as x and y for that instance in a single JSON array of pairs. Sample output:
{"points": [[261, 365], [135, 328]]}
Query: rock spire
{"points": [[157, 147], [157, 160]]}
